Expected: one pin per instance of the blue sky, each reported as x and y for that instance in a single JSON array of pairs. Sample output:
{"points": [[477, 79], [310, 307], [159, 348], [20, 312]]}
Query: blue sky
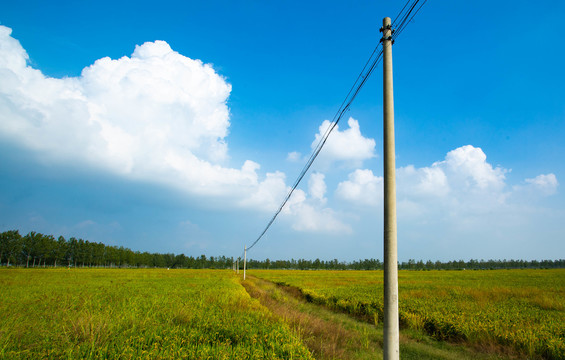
{"points": [[179, 126]]}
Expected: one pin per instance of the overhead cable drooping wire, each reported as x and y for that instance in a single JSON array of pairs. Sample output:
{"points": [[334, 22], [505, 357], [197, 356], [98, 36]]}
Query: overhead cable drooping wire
{"points": [[362, 78], [400, 13], [359, 82], [406, 17]]}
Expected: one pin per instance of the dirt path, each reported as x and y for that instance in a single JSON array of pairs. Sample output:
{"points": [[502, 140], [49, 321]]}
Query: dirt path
{"points": [[331, 335]]}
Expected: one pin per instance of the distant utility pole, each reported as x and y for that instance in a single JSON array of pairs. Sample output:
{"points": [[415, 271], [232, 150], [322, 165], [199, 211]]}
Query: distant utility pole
{"points": [[391, 330], [244, 260]]}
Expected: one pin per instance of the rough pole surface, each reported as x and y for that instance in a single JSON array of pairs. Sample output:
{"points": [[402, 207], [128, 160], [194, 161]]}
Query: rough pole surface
{"points": [[391, 331], [244, 260]]}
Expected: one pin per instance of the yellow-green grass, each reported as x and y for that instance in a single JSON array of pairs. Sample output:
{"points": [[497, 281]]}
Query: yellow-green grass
{"points": [[518, 310], [335, 335], [136, 314]]}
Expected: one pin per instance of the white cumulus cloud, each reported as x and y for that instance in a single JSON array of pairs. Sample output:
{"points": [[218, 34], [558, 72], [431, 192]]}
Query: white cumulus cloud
{"points": [[362, 187], [269, 193], [463, 180], [156, 116], [468, 166], [317, 187], [546, 183], [347, 147], [423, 182], [310, 219], [309, 214], [461, 202], [530, 189]]}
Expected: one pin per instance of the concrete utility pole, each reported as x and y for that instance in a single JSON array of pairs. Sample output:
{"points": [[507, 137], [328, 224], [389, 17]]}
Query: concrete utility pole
{"points": [[238, 265], [244, 260], [391, 330]]}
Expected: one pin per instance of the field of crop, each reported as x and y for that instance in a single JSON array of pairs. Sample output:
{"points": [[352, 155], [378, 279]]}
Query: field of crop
{"points": [[521, 310], [136, 314], [207, 314]]}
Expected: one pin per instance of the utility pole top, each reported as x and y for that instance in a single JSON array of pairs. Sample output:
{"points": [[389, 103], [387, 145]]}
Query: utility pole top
{"points": [[387, 30]]}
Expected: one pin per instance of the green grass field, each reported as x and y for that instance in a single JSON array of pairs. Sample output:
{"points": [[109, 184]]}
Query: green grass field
{"points": [[518, 310], [208, 314], [136, 314]]}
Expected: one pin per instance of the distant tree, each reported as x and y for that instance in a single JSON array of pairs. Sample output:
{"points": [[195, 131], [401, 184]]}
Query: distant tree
{"points": [[10, 246], [46, 249], [80, 252], [99, 254], [180, 261], [60, 250], [30, 247], [72, 251]]}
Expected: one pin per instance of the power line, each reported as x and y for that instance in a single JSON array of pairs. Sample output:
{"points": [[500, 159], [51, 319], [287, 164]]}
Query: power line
{"points": [[401, 11], [372, 62], [359, 82], [405, 17]]}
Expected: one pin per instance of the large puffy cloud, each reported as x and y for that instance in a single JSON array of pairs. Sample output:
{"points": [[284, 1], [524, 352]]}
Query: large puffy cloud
{"points": [[308, 215], [469, 168], [461, 206], [156, 116], [463, 180], [158, 98], [269, 193], [362, 187], [347, 147], [464, 175], [460, 187]]}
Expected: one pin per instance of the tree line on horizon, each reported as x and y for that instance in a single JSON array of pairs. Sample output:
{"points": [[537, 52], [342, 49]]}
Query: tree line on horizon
{"points": [[36, 249], [376, 264]]}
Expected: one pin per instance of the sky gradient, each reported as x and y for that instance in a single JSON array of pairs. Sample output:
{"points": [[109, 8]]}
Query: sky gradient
{"points": [[179, 127]]}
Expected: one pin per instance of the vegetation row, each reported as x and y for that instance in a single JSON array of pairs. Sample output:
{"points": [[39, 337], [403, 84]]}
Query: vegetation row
{"points": [[36, 249]]}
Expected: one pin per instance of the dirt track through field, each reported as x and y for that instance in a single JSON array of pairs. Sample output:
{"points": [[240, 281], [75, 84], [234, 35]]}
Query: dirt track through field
{"points": [[331, 335], [325, 337]]}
